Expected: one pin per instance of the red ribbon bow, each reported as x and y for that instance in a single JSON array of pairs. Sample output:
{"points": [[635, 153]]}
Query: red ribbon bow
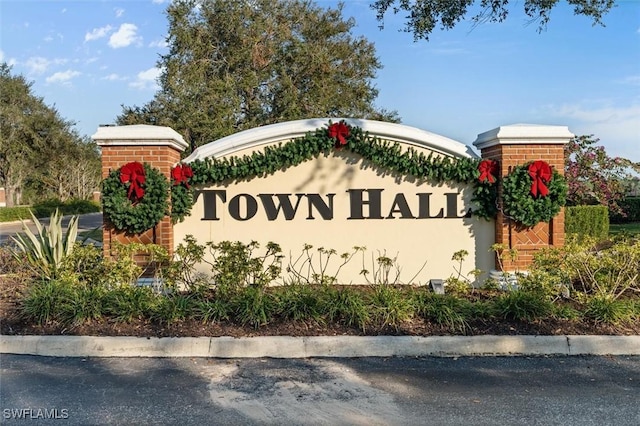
{"points": [[540, 172], [339, 131], [181, 174], [488, 168], [133, 173]]}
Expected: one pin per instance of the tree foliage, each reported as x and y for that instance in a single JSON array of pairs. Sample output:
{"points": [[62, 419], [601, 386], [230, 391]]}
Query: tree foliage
{"points": [[235, 65], [423, 16], [593, 176], [40, 152]]}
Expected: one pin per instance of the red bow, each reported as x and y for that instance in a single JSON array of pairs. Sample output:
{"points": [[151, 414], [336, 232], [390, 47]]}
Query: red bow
{"points": [[488, 168], [540, 172], [339, 131], [134, 174], [181, 174]]}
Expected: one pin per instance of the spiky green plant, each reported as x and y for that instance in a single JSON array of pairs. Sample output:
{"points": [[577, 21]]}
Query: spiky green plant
{"points": [[47, 249]]}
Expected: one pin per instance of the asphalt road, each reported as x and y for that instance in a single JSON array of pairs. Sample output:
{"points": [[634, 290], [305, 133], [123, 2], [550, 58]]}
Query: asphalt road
{"points": [[86, 222], [362, 391]]}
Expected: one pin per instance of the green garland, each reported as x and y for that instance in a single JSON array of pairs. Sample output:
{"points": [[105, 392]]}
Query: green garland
{"points": [[141, 215], [384, 154], [521, 206], [181, 202]]}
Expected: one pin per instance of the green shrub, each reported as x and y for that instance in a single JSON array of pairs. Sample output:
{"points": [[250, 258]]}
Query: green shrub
{"points": [[631, 207], [69, 207], [391, 305], [175, 308], [346, 305], [11, 214], [47, 250], [604, 309], [85, 305], [47, 207], [48, 301], [589, 221], [124, 303], [300, 302], [522, 306], [254, 306], [442, 309], [235, 265], [611, 270], [211, 310]]}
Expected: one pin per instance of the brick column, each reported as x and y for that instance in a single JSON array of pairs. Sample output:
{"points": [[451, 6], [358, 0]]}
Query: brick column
{"points": [[519, 144], [158, 146]]}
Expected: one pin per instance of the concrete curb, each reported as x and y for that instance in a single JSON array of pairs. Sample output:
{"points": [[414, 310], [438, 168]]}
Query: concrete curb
{"points": [[318, 346]]}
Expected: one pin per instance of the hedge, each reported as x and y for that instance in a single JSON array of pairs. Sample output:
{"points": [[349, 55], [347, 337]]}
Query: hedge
{"points": [[592, 221], [45, 208], [10, 214]]}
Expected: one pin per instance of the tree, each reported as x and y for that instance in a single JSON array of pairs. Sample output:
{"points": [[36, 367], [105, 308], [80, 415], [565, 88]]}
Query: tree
{"points": [[38, 148], [234, 65], [593, 177], [424, 15]]}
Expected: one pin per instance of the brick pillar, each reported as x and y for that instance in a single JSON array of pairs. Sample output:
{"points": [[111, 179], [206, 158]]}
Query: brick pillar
{"points": [[514, 145], [158, 146]]}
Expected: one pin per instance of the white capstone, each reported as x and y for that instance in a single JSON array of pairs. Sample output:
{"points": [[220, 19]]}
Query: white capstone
{"points": [[139, 135], [524, 134]]}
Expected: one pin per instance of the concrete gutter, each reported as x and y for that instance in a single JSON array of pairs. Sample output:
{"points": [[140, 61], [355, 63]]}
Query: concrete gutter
{"points": [[318, 346]]}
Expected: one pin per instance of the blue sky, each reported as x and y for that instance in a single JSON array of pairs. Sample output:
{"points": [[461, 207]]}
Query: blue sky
{"points": [[87, 58]]}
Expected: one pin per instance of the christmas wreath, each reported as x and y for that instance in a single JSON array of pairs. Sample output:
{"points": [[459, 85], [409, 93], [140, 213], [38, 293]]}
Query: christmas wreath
{"points": [[134, 197], [533, 193]]}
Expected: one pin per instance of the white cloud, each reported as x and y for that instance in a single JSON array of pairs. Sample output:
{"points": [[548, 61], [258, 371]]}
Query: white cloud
{"points": [[1, 56], [162, 44], [119, 12], [125, 36], [159, 1], [97, 33], [37, 65], [62, 77], [617, 127], [146, 79], [113, 77]]}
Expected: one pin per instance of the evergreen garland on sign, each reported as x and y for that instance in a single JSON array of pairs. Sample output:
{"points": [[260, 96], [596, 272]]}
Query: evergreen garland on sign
{"points": [[341, 136]]}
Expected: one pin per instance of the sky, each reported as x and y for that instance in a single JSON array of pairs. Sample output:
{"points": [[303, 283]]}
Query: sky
{"points": [[88, 58]]}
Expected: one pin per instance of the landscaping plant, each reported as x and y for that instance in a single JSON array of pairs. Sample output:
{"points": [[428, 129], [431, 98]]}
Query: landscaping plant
{"points": [[46, 250]]}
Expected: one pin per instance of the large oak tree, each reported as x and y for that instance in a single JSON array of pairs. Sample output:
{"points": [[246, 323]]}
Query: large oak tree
{"points": [[238, 64], [423, 16], [39, 150]]}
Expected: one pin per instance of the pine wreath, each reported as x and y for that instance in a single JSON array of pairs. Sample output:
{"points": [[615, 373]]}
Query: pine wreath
{"points": [[135, 197], [530, 202]]}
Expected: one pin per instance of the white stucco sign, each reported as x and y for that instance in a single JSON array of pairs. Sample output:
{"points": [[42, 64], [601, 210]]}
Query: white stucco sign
{"points": [[338, 201]]}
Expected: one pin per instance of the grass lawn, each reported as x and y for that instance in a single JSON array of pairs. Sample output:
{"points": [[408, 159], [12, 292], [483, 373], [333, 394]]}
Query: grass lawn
{"points": [[629, 228]]}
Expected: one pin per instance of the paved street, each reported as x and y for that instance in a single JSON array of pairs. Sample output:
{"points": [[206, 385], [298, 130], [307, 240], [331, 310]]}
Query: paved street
{"points": [[366, 391], [87, 222]]}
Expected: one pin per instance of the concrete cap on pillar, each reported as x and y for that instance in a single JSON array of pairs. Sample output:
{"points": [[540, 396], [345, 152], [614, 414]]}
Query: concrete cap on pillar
{"points": [[524, 134], [139, 135]]}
